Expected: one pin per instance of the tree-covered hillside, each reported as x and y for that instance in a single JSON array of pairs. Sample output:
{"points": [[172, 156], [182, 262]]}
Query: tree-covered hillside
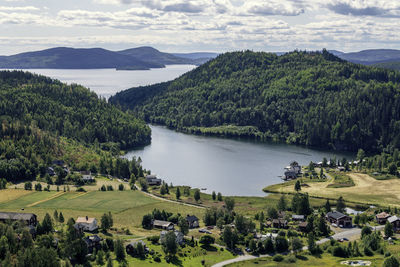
{"points": [[69, 110], [310, 98], [44, 120]]}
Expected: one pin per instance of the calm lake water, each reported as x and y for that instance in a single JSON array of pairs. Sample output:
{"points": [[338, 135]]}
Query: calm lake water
{"points": [[232, 167], [107, 82]]}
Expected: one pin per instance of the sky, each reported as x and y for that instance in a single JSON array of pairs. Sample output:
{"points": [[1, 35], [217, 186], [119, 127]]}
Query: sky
{"points": [[200, 25]]}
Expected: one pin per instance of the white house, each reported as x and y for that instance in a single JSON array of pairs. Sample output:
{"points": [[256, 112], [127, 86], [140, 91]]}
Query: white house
{"points": [[87, 224], [87, 176]]}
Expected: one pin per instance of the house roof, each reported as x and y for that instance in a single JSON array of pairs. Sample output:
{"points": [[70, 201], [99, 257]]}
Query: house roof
{"points": [[135, 243], [279, 221], [298, 217], [85, 220], [335, 215], [192, 218], [382, 215], [393, 219], [16, 216], [303, 224], [151, 176], [161, 223]]}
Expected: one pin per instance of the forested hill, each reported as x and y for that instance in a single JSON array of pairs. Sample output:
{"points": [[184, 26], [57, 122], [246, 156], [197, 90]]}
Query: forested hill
{"points": [[310, 98], [66, 110]]}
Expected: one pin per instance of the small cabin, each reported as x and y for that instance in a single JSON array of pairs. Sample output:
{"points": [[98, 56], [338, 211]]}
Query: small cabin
{"points": [[153, 180], [193, 221], [382, 217], [28, 218], [340, 219], [86, 224], [163, 225]]}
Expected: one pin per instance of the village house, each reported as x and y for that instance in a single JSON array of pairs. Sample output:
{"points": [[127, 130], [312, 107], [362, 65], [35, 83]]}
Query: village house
{"points": [[28, 218], [179, 236], [50, 171], [193, 221], [93, 242], [279, 223], [298, 217], [131, 248], [303, 227], [87, 176], [86, 224], [340, 219], [395, 221], [264, 237], [163, 225], [153, 180], [382, 217]]}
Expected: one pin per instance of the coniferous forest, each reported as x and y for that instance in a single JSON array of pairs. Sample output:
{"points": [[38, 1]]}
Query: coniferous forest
{"points": [[42, 119], [308, 98]]}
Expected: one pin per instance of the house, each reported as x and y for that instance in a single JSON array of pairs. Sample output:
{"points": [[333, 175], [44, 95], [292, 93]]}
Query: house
{"points": [[179, 236], [279, 223], [382, 217], [50, 171], [351, 211], [266, 236], [153, 180], [281, 214], [58, 162], [93, 242], [28, 218], [395, 221], [163, 225], [290, 175], [298, 217], [87, 176], [303, 227], [193, 221], [87, 224], [131, 247], [339, 219]]}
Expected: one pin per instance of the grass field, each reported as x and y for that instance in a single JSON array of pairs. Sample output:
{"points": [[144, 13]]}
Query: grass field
{"points": [[127, 207], [366, 190], [326, 260]]}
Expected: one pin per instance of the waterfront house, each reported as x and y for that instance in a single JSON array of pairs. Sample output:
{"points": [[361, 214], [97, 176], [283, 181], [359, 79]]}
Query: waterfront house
{"points": [[193, 221], [340, 219], [153, 180], [382, 217], [28, 218], [86, 224], [395, 221], [179, 236], [163, 225]]}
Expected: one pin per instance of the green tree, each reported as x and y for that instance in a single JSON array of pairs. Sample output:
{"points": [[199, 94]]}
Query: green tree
{"points": [[47, 224], [207, 240], [229, 203], [55, 215], [391, 261], [297, 186], [100, 258], [340, 204], [282, 203], [196, 195], [296, 244], [169, 244], [109, 262], [119, 250], [183, 225], [272, 213], [219, 196], [388, 229], [178, 193], [311, 243], [61, 218], [393, 169], [327, 206], [146, 221], [213, 195]]}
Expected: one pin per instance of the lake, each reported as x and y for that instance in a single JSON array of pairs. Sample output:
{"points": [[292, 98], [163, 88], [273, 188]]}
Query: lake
{"points": [[229, 166], [107, 82]]}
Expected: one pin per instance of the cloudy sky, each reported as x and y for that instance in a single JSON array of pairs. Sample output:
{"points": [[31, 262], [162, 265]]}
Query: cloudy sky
{"points": [[200, 25]]}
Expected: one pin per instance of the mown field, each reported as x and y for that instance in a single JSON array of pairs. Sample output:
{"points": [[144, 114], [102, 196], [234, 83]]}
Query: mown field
{"points": [[127, 207], [365, 190]]}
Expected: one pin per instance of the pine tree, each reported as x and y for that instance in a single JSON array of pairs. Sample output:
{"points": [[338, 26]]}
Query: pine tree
{"points": [[61, 217], [297, 186], [213, 195], [178, 193], [327, 206], [282, 203]]}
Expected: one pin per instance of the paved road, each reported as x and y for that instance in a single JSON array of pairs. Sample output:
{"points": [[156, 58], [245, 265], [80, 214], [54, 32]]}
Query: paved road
{"points": [[345, 234]]}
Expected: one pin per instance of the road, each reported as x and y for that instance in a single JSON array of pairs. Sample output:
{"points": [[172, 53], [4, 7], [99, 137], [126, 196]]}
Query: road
{"points": [[345, 234]]}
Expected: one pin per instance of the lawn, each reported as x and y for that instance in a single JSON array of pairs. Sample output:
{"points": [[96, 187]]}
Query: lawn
{"points": [[11, 194], [367, 190], [326, 260]]}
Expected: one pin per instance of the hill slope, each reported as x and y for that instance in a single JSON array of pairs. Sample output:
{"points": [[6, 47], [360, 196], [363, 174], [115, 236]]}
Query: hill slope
{"points": [[69, 110], [371, 56], [313, 99]]}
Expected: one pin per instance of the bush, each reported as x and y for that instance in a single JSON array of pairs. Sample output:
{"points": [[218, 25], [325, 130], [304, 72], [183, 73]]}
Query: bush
{"points": [[110, 188], [207, 240], [392, 261], [291, 259], [339, 251], [80, 189], [121, 187], [278, 258], [28, 186], [103, 188], [153, 239], [157, 259], [368, 252]]}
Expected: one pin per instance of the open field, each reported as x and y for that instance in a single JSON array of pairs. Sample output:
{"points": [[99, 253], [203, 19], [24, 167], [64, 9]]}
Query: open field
{"points": [[366, 190], [127, 207], [326, 260]]}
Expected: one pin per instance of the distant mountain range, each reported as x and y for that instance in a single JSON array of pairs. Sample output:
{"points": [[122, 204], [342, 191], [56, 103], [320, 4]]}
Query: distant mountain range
{"points": [[140, 58], [384, 58]]}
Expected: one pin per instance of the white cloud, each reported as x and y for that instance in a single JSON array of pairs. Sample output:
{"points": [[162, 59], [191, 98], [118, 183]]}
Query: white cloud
{"points": [[19, 8]]}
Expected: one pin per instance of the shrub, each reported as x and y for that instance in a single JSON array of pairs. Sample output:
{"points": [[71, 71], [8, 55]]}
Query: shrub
{"points": [[157, 259], [153, 239], [278, 258], [80, 189], [103, 188], [368, 251], [121, 187], [339, 251], [291, 259]]}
